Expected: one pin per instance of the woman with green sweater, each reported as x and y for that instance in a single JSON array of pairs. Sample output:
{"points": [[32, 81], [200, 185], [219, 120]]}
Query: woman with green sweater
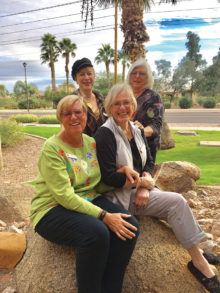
{"points": [[67, 209]]}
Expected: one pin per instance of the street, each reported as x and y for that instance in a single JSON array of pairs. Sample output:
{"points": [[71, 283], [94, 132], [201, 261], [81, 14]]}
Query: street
{"points": [[178, 116]]}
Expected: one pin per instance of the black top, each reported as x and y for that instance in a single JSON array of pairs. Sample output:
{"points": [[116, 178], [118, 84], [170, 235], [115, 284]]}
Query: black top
{"points": [[150, 112], [106, 153], [92, 122]]}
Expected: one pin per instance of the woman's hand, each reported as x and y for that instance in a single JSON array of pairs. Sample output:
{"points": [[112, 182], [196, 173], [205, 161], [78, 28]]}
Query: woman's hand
{"points": [[141, 198], [138, 124], [147, 181], [133, 178], [119, 226]]}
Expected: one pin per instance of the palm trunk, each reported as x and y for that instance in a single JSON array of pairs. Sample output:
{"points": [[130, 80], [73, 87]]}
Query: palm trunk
{"points": [[123, 72], [52, 67], [67, 72], [133, 28], [107, 72]]}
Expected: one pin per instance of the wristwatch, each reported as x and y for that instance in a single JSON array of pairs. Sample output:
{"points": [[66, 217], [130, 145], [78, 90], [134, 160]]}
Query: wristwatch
{"points": [[102, 215]]}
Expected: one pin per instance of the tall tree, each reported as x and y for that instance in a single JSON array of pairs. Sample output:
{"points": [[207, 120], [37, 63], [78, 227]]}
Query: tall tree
{"points": [[132, 25], [67, 48], [49, 54], [105, 54], [3, 91], [192, 65], [125, 60]]}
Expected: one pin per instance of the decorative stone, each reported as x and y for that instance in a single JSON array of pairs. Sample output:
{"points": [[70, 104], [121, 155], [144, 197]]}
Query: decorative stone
{"points": [[208, 245], [186, 132], [167, 140], [158, 264], [216, 228], [177, 176]]}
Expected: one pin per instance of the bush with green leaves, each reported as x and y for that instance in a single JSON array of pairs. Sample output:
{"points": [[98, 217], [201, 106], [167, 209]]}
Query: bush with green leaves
{"points": [[11, 132], [33, 103], [58, 96], [185, 102], [8, 103], [48, 119], [209, 103], [167, 105], [200, 100], [24, 118]]}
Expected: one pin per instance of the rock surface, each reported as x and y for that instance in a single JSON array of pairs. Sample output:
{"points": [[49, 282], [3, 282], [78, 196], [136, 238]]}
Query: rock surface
{"points": [[177, 176], [167, 140], [158, 265]]}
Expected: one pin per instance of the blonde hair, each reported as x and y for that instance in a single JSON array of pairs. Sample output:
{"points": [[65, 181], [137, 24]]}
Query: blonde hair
{"points": [[67, 102], [114, 92], [138, 63]]}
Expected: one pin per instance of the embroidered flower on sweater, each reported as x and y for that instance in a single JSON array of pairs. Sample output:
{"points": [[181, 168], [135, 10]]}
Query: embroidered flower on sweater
{"points": [[93, 144], [89, 155], [61, 152], [88, 181]]}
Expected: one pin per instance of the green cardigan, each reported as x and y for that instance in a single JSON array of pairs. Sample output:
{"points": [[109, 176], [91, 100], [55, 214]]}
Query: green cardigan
{"points": [[67, 176]]}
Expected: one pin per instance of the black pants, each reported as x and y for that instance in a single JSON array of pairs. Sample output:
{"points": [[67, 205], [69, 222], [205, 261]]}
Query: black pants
{"points": [[101, 257]]}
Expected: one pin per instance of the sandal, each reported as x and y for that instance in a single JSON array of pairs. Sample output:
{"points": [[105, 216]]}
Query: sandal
{"points": [[211, 258], [211, 284]]}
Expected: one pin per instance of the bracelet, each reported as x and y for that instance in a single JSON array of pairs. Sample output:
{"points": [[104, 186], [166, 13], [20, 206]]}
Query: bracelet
{"points": [[102, 215], [141, 181]]}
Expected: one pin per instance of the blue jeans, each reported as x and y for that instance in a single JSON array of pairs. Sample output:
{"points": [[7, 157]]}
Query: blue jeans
{"points": [[101, 257]]}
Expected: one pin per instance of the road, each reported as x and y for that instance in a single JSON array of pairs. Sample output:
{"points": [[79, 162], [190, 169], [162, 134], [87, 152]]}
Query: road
{"points": [[173, 116], [198, 116]]}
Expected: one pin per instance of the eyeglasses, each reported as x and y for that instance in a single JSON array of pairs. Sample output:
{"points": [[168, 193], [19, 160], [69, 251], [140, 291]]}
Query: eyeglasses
{"points": [[118, 104], [141, 73], [68, 114]]}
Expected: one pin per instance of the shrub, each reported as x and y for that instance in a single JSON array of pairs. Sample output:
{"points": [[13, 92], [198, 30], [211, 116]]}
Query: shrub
{"points": [[10, 132], [24, 118], [185, 103], [33, 103], [200, 100], [48, 119], [8, 103], [167, 105], [209, 103]]}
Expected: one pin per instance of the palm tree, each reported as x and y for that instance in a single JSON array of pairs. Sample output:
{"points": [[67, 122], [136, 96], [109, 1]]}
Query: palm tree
{"points": [[132, 24], [67, 48], [125, 60], [49, 54], [106, 55]]}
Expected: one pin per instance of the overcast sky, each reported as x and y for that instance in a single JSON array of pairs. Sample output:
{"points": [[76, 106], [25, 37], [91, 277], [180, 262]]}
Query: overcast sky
{"points": [[24, 22]]}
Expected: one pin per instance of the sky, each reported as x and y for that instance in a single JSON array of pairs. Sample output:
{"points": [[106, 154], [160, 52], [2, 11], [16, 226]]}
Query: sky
{"points": [[23, 23]]}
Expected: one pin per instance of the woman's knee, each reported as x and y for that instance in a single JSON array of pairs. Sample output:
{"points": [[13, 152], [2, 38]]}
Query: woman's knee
{"points": [[97, 238]]}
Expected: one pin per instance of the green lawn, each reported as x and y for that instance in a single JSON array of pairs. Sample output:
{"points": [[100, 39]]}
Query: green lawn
{"points": [[43, 131], [187, 149]]}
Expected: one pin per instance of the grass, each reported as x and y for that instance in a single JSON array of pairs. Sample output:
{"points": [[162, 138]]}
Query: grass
{"points": [[41, 130], [187, 149]]}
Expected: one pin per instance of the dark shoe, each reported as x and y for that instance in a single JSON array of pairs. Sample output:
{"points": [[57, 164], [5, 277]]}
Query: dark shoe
{"points": [[211, 258], [211, 284]]}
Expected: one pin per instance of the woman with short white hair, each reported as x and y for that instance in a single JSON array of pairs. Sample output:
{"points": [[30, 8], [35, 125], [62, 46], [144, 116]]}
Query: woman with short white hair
{"points": [[150, 109]]}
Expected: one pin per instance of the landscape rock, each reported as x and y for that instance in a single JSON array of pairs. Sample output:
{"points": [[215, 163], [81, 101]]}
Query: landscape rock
{"points": [[167, 140], [177, 176], [216, 228], [159, 264], [208, 245]]}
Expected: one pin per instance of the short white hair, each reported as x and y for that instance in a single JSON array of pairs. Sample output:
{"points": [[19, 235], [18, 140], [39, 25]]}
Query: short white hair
{"points": [[138, 63]]}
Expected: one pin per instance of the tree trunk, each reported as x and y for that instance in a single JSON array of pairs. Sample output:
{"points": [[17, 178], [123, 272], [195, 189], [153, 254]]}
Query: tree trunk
{"points": [[133, 28], [67, 72], [52, 67], [123, 72], [107, 72]]}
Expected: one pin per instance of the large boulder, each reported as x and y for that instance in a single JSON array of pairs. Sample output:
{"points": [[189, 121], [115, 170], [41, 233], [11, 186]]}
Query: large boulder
{"points": [[177, 176], [167, 140], [15, 201], [157, 265]]}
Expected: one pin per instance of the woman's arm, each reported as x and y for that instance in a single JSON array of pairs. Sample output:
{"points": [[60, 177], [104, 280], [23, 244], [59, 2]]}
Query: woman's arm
{"points": [[106, 153]]}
